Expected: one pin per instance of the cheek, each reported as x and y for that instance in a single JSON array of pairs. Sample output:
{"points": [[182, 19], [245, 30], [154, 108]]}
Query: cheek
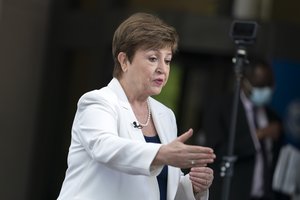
{"points": [[167, 75]]}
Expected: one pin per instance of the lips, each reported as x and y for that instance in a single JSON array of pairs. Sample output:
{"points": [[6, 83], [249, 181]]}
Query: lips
{"points": [[159, 81]]}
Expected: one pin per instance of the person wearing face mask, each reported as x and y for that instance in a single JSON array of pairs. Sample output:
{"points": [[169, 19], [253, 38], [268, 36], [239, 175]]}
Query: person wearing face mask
{"points": [[258, 136]]}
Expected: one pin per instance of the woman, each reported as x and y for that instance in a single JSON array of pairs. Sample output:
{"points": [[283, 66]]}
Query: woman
{"points": [[124, 143]]}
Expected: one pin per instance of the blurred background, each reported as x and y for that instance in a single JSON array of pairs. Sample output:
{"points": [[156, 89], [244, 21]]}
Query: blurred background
{"points": [[52, 51]]}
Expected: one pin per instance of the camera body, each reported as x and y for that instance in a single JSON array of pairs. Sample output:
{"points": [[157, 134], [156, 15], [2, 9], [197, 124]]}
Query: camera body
{"points": [[243, 32]]}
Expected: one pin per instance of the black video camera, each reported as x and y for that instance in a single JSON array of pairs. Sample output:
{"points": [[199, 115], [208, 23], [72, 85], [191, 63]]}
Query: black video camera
{"points": [[243, 32]]}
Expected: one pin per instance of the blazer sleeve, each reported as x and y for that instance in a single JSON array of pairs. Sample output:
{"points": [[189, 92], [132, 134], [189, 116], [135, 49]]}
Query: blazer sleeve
{"points": [[95, 127]]}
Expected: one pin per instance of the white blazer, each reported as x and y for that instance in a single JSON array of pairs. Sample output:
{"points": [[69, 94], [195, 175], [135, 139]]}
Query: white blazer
{"points": [[109, 159]]}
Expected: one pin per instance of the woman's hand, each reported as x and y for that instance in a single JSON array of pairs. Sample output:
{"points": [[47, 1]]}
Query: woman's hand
{"points": [[201, 178], [181, 155]]}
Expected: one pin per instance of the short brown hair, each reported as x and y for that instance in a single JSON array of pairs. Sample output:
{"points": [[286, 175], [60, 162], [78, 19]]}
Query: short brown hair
{"points": [[141, 30]]}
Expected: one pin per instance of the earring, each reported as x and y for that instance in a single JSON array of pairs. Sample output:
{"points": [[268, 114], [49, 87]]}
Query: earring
{"points": [[124, 69]]}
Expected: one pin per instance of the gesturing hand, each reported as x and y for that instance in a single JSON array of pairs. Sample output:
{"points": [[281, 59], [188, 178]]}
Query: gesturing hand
{"points": [[181, 155]]}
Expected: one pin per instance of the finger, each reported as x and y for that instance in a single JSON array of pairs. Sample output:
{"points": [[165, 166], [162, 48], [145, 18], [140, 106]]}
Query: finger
{"points": [[205, 170], [200, 162], [200, 159], [199, 187], [185, 136], [200, 177], [201, 155], [200, 182], [198, 150], [201, 174]]}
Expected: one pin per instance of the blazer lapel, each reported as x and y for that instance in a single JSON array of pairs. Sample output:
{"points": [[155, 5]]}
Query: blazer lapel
{"points": [[163, 129], [127, 116], [159, 121]]}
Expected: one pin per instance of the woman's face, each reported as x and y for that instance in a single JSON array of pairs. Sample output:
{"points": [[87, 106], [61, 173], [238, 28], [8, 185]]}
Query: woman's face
{"points": [[149, 71]]}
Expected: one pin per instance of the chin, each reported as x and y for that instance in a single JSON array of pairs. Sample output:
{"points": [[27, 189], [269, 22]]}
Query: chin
{"points": [[156, 92]]}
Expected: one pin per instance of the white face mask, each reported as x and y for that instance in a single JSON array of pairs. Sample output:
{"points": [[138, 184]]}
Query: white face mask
{"points": [[261, 96]]}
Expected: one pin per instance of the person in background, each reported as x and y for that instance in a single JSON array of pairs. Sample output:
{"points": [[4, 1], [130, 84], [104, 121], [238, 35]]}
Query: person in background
{"points": [[124, 143], [287, 175], [257, 137]]}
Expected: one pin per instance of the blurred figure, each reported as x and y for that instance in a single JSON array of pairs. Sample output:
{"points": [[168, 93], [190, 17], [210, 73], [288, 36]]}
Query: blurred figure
{"points": [[257, 139], [287, 174], [124, 143]]}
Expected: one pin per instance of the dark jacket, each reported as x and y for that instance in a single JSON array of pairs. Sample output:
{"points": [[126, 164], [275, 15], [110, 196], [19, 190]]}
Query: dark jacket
{"points": [[216, 125]]}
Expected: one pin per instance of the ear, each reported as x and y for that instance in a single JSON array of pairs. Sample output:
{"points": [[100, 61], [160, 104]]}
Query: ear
{"points": [[122, 58]]}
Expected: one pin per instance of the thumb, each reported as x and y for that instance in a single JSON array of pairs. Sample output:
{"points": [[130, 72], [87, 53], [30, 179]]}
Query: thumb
{"points": [[185, 136]]}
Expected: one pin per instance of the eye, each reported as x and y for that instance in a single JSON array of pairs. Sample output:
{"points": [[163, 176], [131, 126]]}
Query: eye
{"points": [[152, 59], [168, 62]]}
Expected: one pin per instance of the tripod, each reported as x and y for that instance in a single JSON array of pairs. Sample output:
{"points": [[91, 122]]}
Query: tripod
{"points": [[227, 165], [243, 34]]}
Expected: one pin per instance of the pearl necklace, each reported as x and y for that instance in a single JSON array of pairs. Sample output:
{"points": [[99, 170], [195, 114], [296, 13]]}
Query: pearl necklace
{"points": [[149, 116]]}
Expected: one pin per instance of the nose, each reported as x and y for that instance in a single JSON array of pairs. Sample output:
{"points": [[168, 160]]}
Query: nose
{"points": [[162, 67]]}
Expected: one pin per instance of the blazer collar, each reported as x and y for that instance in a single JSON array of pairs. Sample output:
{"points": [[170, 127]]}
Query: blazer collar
{"points": [[115, 86]]}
